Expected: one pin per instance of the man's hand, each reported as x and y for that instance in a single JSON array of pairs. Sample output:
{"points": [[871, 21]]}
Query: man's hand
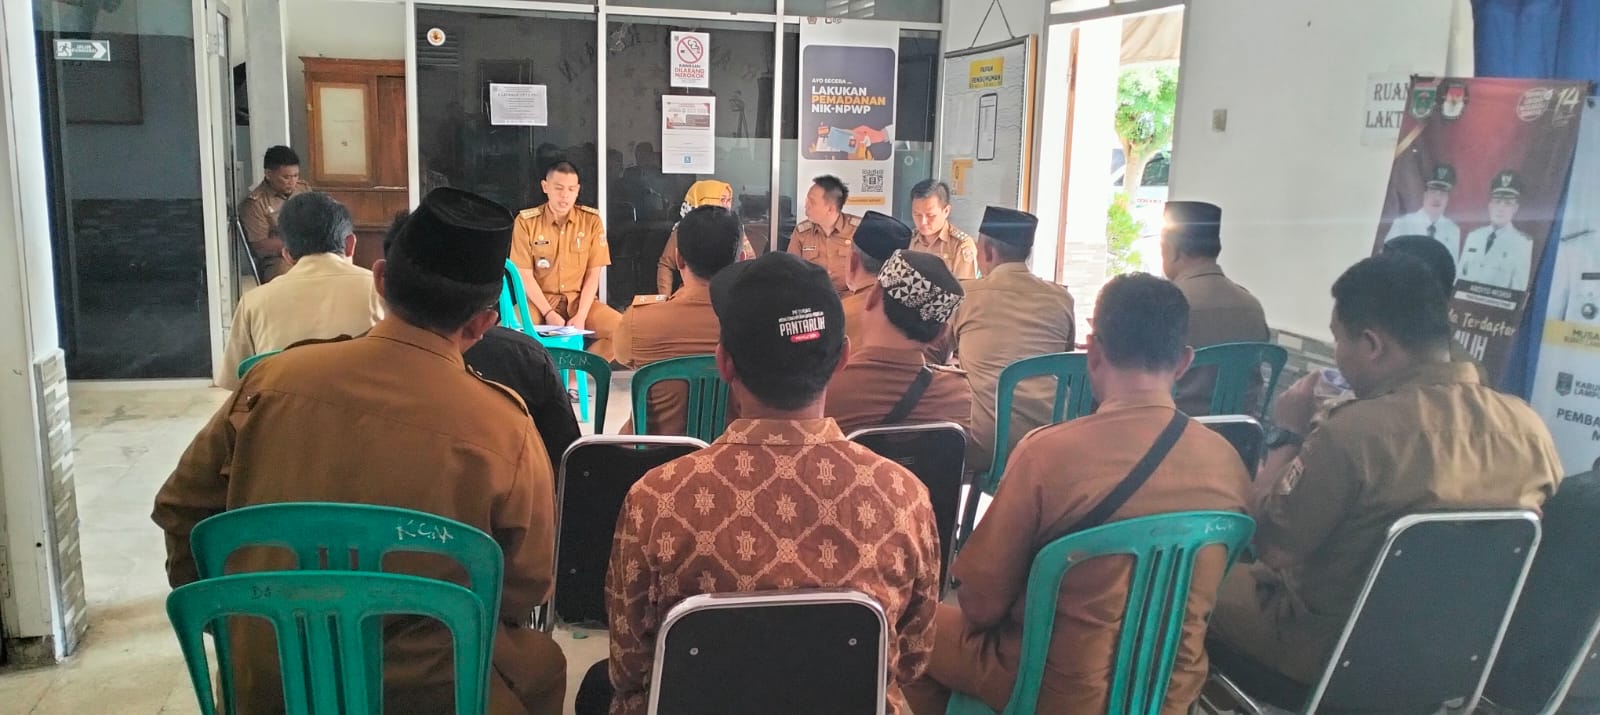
{"points": [[1296, 407], [579, 319]]}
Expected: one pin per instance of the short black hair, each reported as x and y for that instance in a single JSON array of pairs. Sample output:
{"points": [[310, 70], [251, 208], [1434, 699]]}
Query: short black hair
{"points": [[1141, 322], [931, 188], [278, 157], [314, 222], [1008, 252], [562, 166], [708, 240], [834, 189], [1397, 295], [1430, 252], [424, 299]]}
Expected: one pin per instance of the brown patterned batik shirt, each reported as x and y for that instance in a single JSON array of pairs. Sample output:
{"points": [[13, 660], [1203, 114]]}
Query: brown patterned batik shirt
{"points": [[772, 505]]}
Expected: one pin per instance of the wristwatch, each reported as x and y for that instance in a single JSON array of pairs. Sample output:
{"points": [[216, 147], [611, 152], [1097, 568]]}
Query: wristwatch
{"points": [[1279, 437]]}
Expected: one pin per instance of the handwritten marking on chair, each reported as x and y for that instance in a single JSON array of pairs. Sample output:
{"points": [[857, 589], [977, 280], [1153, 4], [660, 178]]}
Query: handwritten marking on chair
{"points": [[413, 529]]}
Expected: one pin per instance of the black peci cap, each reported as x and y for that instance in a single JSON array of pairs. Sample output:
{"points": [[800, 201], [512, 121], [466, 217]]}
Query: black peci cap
{"points": [[779, 311], [1198, 223], [458, 235], [1009, 226], [880, 235]]}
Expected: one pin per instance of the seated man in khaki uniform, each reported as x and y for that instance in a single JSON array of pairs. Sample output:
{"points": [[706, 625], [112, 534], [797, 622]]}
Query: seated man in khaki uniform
{"points": [[888, 379], [1422, 434], [394, 418], [1008, 314], [1060, 481], [876, 239], [707, 192], [323, 295], [561, 249], [258, 215], [825, 236], [1220, 311], [752, 511], [930, 211], [660, 327]]}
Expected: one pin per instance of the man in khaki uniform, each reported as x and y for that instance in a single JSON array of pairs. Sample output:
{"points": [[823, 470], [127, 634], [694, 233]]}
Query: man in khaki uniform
{"points": [[1008, 314], [888, 379], [561, 249], [323, 295], [1220, 311], [824, 238], [1423, 434], [707, 192], [259, 212], [394, 418], [930, 212], [1055, 485], [876, 239], [659, 327]]}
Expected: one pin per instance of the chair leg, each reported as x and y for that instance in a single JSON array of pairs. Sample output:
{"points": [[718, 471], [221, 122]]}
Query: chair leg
{"points": [[1242, 702]]}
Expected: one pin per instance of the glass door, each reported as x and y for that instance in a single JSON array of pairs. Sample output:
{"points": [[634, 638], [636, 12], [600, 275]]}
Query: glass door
{"points": [[229, 242], [650, 166]]}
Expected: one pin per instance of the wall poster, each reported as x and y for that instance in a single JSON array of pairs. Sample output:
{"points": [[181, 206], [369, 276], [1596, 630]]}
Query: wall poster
{"points": [[1480, 167], [987, 134], [848, 74]]}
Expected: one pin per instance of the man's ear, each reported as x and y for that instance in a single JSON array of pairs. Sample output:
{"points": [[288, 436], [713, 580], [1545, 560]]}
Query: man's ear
{"points": [[480, 323], [725, 366], [1184, 362], [379, 267], [350, 246]]}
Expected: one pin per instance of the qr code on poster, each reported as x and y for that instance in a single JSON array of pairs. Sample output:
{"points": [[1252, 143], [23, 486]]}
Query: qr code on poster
{"points": [[872, 181]]}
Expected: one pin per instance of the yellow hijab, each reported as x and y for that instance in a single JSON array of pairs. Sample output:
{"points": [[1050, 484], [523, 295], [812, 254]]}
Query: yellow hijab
{"points": [[703, 193]]}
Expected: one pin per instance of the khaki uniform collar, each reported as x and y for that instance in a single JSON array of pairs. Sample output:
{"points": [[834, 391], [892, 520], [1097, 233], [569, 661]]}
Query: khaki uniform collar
{"points": [[690, 293], [938, 239], [908, 357], [1133, 400], [1204, 269], [1433, 373], [397, 330]]}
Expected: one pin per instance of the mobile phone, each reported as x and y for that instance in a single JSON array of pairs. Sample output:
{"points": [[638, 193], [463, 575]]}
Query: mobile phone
{"points": [[988, 118]]}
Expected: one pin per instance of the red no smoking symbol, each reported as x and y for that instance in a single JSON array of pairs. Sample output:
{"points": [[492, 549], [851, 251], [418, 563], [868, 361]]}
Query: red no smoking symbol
{"points": [[690, 49]]}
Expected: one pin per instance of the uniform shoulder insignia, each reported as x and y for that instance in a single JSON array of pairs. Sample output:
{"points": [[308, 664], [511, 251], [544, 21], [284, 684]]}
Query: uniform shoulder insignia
{"points": [[319, 341], [852, 220], [534, 212], [639, 300], [588, 209], [804, 226], [959, 234], [507, 392]]}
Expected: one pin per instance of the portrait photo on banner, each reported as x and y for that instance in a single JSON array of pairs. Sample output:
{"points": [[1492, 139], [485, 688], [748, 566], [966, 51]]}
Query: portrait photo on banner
{"points": [[1480, 166]]}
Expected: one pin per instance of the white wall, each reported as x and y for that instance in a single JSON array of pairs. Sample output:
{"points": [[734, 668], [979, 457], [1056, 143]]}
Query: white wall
{"points": [[962, 19], [1300, 193], [337, 28]]}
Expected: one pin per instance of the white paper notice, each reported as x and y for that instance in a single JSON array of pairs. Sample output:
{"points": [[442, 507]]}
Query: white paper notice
{"points": [[688, 135], [691, 59], [518, 105]]}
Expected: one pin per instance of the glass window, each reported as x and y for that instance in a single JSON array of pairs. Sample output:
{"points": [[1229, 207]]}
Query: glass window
{"points": [[909, 10], [917, 93], [127, 218], [717, 5], [646, 193], [457, 142]]}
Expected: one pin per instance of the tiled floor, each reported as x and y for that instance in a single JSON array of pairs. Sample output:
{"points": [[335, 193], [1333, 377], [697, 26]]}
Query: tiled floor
{"points": [[127, 441]]}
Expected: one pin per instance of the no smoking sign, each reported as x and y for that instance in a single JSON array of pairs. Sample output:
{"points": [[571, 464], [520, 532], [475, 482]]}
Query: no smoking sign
{"points": [[691, 65]]}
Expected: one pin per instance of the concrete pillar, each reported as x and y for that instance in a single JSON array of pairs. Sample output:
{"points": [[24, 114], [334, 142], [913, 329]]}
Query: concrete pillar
{"points": [[41, 601], [266, 61]]}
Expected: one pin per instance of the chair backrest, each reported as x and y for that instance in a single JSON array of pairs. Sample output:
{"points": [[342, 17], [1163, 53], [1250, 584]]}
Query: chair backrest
{"points": [[327, 624], [708, 394], [1073, 398], [596, 474], [514, 301], [1246, 435], [802, 652], [594, 366], [1427, 624], [249, 362], [936, 453], [1163, 549], [1238, 369]]}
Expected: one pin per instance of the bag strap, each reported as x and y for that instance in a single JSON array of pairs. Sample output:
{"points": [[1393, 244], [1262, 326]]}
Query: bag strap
{"points": [[908, 402], [1138, 475]]}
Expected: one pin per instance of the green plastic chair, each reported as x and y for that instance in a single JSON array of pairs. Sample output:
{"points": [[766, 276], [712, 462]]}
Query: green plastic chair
{"points": [[594, 366], [1237, 365], [514, 301], [344, 537], [1164, 549], [708, 394], [249, 362], [1073, 399], [329, 626]]}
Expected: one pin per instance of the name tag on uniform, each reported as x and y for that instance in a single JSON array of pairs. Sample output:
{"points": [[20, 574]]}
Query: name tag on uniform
{"points": [[808, 249]]}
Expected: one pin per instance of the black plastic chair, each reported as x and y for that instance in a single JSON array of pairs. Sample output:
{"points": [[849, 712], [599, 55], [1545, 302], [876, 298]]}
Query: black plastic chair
{"points": [[808, 652], [596, 474], [1426, 626], [936, 453], [1246, 435]]}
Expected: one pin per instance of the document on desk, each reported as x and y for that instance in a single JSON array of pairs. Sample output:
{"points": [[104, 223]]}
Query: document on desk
{"points": [[559, 331]]}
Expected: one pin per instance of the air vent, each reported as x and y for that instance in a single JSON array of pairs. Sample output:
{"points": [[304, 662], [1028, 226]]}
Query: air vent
{"points": [[447, 54]]}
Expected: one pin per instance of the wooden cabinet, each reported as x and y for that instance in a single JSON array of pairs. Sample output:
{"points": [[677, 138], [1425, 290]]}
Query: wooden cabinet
{"points": [[356, 121]]}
